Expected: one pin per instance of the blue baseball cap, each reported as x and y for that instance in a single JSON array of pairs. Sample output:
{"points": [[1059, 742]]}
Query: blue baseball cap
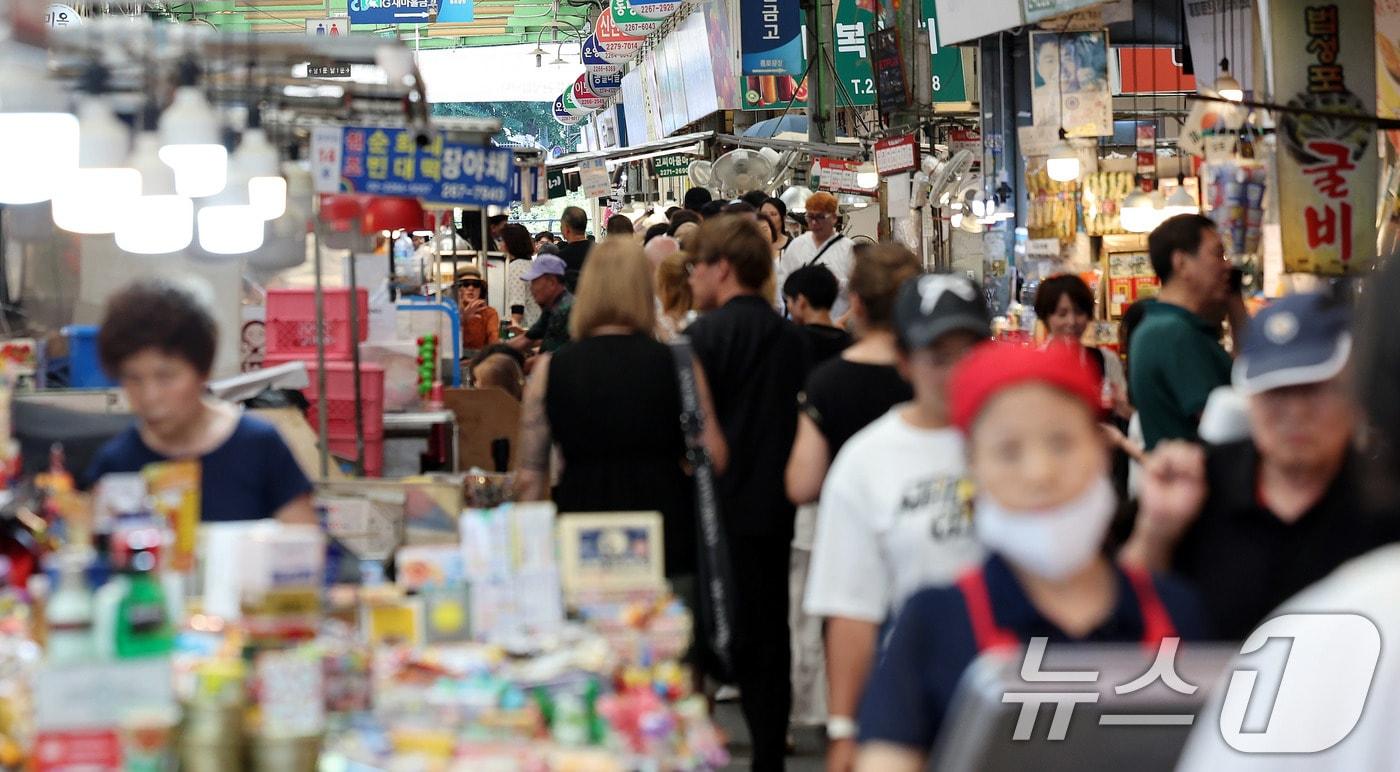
{"points": [[1298, 340], [545, 265]]}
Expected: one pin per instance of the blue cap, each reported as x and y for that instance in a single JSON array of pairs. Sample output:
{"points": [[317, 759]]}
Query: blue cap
{"points": [[1300, 339], [545, 265]]}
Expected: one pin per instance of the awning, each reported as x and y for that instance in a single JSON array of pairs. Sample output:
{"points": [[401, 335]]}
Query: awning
{"points": [[686, 143], [843, 150]]}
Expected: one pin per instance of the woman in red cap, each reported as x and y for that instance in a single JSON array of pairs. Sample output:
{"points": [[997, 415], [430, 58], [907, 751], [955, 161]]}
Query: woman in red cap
{"points": [[1043, 507]]}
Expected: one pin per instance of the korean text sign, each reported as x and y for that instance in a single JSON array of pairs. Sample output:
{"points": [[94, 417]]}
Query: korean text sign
{"points": [[771, 31], [1326, 165], [388, 162]]}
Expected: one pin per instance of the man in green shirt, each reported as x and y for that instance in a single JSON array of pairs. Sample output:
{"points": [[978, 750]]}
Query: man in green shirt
{"points": [[551, 332], [1177, 359]]}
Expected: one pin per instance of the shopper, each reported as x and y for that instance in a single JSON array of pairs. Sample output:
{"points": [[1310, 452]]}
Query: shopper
{"points": [[696, 198], [1065, 304], [481, 324], [573, 224], [682, 217], [157, 341], [775, 212], [542, 238], [808, 294], [495, 224], [891, 518], [755, 361], [711, 210], [822, 245], [674, 300], [620, 225], [1043, 506], [611, 402], [551, 332], [659, 229], [500, 371], [1251, 523], [519, 253], [1177, 357], [658, 248], [755, 198], [685, 234]]}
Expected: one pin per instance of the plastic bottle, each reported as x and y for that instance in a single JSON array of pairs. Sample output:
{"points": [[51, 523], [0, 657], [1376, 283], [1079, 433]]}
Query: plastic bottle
{"points": [[142, 623], [69, 612]]}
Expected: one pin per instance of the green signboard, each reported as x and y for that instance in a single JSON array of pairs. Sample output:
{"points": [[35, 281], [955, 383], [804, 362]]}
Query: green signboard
{"points": [[671, 165], [945, 64], [555, 182], [853, 27]]}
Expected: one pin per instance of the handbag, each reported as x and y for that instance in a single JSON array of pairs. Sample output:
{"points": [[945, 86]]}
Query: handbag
{"points": [[714, 575]]}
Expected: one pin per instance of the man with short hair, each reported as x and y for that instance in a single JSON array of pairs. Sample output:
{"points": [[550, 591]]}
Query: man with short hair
{"points": [[1177, 359], [824, 245], [808, 294], [573, 226], [551, 332], [755, 362], [543, 237], [1251, 523], [696, 198]]}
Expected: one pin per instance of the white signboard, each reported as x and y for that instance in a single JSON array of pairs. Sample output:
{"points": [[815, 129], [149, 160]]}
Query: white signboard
{"points": [[60, 15], [593, 176]]}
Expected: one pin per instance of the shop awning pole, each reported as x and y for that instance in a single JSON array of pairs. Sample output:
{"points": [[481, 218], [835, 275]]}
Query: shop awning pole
{"points": [[322, 422], [355, 364]]}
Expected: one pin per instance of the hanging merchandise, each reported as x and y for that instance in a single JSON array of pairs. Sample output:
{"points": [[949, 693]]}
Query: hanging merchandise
{"points": [[617, 46], [1102, 197], [1324, 62], [1069, 82], [771, 31], [1235, 195], [1052, 207]]}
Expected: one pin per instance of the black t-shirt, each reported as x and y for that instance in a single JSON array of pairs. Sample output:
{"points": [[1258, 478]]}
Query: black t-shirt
{"points": [[1245, 561], [825, 342], [574, 253], [755, 361], [844, 397]]}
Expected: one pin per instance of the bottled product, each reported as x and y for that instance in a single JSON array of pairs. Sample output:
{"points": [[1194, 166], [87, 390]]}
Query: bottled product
{"points": [[69, 612], [133, 614]]}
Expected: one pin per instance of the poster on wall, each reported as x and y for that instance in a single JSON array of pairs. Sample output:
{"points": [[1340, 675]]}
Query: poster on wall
{"points": [[719, 30], [771, 31], [1222, 30], [1069, 82], [1388, 58], [1324, 60]]}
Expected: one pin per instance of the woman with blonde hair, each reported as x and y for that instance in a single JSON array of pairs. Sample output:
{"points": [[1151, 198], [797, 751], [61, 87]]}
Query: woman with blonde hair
{"points": [[611, 401], [673, 296]]}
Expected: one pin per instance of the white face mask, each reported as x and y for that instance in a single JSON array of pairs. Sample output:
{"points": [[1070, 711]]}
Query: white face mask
{"points": [[1050, 543]]}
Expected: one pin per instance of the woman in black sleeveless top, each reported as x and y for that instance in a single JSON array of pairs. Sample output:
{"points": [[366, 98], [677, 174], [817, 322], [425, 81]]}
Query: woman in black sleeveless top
{"points": [[611, 402]]}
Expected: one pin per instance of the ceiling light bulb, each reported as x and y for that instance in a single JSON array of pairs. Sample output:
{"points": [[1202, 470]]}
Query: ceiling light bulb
{"points": [[257, 160], [1229, 88], [94, 195], [159, 221], [1180, 202], [1063, 162], [867, 180], [191, 144], [1137, 214], [228, 223]]}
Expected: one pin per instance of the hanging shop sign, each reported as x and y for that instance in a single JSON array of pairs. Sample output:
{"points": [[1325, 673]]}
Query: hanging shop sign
{"points": [[1069, 82], [593, 176], [603, 85], [554, 182], [328, 71], [1152, 71], [655, 9], [389, 162], [571, 105], [854, 23], [896, 154], [561, 115], [60, 16], [1039, 10], [585, 96], [966, 139], [769, 92], [455, 11], [964, 20], [594, 61], [838, 175], [390, 11], [771, 35], [332, 27], [945, 62], [1324, 60], [631, 22], [671, 165], [618, 47], [1223, 29], [891, 86]]}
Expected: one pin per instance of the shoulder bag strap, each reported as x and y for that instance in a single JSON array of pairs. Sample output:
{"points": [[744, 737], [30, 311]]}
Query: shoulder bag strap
{"points": [[824, 248]]}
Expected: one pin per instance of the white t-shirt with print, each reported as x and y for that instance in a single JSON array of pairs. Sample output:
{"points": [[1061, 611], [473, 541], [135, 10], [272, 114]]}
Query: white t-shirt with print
{"points": [[839, 257], [890, 522]]}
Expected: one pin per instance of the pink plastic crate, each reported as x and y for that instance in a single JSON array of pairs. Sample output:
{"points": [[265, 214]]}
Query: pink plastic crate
{"points": [[291, 322], [340, 397], [374, 454]]}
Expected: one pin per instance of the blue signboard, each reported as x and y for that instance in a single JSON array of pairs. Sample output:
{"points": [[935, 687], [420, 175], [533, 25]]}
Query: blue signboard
{"points": [[771, 31], [455, 11], [388, 162], [603, 85], [593, 59], [390, 11]]}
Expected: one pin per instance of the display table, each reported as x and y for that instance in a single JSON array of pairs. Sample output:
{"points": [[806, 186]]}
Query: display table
{"points": [[419, 424]]}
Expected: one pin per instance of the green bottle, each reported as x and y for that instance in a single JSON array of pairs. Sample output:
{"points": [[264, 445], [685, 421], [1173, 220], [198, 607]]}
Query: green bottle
{"points": [[143, 622]]}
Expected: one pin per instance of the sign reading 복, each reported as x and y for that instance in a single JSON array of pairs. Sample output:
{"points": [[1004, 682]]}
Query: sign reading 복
{"points": [[854, 22], [897, 154], [771, 34], [390, 11], [671, 165], [388, 162]]}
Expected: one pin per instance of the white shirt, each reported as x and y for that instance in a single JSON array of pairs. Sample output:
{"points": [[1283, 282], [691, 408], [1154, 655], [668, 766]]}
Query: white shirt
{"points": [[890, 521], [839, 258], [1369, 586], [518, 291]]}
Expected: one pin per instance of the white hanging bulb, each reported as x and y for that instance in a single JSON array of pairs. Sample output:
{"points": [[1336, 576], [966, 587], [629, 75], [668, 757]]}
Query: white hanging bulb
{"points": [[228, 222], [1179, 202], [40, 144], [1136, 214], [159, 221], [190, 140], [258, 160], [1226, 85], [96, 194], [1063, 163]]}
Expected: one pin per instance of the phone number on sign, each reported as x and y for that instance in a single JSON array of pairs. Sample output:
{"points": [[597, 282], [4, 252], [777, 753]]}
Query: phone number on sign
{"points": [[484, 193]]}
